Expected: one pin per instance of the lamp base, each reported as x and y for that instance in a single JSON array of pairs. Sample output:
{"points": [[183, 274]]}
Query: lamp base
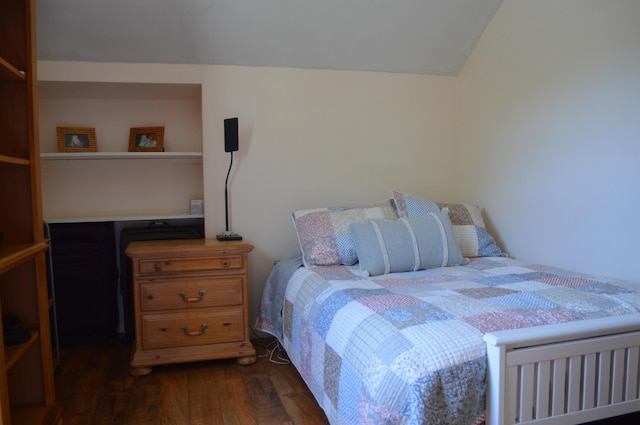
{"points": [[228, 236]]}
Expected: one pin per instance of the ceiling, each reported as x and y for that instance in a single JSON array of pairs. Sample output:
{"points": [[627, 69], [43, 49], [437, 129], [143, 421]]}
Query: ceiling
{"points": [[403, 36]]}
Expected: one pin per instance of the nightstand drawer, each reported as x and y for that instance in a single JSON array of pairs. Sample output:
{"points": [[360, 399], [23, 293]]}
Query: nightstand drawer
{"points": [[188, 329], [191, 293], [178, 265]]}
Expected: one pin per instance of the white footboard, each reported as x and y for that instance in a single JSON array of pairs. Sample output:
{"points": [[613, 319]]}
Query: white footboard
{"points": [[569, 373]]}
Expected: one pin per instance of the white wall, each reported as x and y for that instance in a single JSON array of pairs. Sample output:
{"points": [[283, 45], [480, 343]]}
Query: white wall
{"points": [[549, 132], [311, 138]]}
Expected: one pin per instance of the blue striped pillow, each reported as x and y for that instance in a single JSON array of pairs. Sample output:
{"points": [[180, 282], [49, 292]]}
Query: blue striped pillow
{"points": [[407, 244]]}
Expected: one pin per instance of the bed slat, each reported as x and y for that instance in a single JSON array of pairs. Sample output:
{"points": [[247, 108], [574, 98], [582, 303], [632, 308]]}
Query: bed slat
{"points": [[589, 381], [632, 373], [575, 366], [618, 375], [604, 379], [511, 414], [544, 389], [559, 387], [526, 392]]}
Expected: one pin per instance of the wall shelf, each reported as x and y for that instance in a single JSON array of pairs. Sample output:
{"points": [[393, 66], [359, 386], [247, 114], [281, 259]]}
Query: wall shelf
{"points": [[79, 156], [141, 217]]}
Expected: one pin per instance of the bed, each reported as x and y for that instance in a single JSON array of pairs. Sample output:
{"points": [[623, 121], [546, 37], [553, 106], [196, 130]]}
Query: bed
{"points": [[385, 328]]}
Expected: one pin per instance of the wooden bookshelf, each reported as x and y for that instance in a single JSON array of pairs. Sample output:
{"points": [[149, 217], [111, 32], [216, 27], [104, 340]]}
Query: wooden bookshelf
{"points": [[27, 391]]}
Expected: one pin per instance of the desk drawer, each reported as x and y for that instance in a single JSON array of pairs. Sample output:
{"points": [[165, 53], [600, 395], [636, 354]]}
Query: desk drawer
{"points": [[195, 264], [191, 293], [192, 328]]}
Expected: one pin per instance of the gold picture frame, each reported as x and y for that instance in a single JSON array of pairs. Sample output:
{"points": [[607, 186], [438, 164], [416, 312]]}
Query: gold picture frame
{"points": [[76, 139], [146, 139]]}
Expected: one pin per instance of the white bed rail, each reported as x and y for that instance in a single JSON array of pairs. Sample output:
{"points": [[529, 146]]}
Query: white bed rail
{"points": [[568, 373]]}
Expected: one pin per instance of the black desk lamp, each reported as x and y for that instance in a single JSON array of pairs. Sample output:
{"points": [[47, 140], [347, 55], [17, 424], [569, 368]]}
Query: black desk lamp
{"points": [[230, 145]]}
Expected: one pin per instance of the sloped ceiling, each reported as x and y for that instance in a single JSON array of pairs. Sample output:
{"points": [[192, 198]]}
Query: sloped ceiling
{"points": [[403, 36]]}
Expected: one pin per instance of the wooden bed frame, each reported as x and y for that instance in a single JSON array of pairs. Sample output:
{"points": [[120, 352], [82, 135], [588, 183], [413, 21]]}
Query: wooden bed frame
{"points": [[568, 373]]}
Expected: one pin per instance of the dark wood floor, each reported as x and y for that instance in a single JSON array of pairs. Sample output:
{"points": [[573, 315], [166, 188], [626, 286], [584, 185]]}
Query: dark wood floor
{"points": [[94, 387]]}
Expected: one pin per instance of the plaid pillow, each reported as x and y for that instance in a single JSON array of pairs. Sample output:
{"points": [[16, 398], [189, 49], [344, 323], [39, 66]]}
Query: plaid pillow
{"points": [[324, 235], [411, 206]]}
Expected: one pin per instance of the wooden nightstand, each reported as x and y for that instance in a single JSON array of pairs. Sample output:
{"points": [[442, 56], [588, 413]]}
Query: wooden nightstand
{"points": [[190, 302]]}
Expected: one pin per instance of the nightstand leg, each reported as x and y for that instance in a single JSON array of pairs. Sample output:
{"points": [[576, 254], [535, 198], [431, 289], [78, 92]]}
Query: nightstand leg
{"points": [[140, 371], [245, 361]]}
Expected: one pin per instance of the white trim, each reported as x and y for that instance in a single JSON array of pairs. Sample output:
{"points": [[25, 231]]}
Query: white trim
{"points": [[383, 247], [414, 241], [443, 237]]}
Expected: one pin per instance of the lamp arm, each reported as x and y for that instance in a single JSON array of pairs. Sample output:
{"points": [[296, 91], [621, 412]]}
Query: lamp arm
{"points": [[226, 197]]}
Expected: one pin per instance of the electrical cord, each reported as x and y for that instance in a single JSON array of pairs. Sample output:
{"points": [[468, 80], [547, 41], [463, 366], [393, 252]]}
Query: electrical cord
{"points": [[272, 347]]}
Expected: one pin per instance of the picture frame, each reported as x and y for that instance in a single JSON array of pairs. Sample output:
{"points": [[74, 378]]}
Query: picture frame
{"points": [[196, 206], [76, 139], [146, 139]]}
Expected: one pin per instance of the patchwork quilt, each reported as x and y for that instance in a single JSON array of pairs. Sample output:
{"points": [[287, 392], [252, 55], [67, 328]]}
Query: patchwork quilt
{"points": [[407, 348]]}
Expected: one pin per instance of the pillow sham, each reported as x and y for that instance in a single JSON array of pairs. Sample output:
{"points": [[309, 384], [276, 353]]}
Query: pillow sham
{"points": [[470, 231], [412, 206], [463, 214], [324, 235], [407, 244]]}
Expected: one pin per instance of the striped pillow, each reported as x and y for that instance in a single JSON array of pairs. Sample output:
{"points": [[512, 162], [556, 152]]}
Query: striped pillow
{"points": [[468, 226], [407, 244]]}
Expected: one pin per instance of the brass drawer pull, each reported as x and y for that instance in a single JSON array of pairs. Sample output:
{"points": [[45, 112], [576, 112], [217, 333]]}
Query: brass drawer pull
{"points": [[157, 267], [203, 327], [226, 263], [200, 296]]}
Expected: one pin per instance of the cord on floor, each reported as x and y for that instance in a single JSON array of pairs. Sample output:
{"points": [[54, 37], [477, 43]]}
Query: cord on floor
{"points": [[272, 347]]}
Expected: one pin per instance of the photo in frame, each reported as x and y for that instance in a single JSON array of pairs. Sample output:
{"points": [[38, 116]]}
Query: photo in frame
{"points": [[196, 206], [146, 139], [76, 139]]}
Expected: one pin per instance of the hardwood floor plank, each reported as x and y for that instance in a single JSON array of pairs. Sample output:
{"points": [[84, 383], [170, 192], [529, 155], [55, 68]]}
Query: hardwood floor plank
{"points": [[236, 408], [173, 402], [297, 401], [296, 398], [112, 403], [266, 404], [121, 389], [144, 400], [111, 409], [204, 403], [87, 400]]}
